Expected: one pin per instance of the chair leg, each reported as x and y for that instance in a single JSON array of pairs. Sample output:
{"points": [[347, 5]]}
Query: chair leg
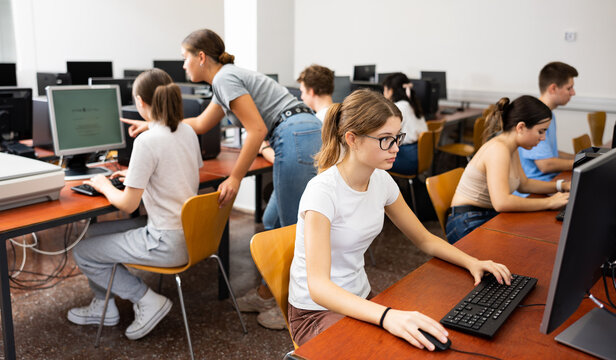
{"points": [[372, 260], [179, 283], [160, 283], [100, 326], [413, 197], [224, 275]]}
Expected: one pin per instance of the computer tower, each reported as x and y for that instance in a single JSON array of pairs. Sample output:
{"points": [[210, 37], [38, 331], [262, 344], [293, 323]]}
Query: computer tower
{"points": [[41, 130], [427, 92]]}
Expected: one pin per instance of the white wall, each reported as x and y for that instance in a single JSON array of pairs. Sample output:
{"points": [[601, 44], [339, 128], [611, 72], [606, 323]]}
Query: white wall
{"points": [[489, 48], [7, 36], [129, 33], [275, 38]]}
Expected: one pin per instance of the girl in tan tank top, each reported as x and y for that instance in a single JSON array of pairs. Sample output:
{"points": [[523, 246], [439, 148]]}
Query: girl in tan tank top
{"points": [[487, 184]]}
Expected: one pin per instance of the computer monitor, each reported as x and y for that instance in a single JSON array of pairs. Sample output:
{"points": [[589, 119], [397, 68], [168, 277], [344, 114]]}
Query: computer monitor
{"points": [[82, 70], [614, 137], [41, 130], [172, 67], [44, 79], [295, 92], [427, 93], [587, 241], [84, 119], [8, 74], [15, 114], [126, 87], [437, 77], [364, 73], [273, 77], [382, 76], [132, 73], [342, 88]]}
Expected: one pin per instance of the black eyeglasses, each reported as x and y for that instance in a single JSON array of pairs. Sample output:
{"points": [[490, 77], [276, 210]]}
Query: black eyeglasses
{"points": [[386, 142]]}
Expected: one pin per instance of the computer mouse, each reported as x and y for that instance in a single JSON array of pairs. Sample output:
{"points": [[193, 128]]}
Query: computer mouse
{"points": [[438, 346]]}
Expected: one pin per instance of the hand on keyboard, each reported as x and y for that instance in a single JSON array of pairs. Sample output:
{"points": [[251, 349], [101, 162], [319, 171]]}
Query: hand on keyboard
{"points": [[88, 188], [480, 268]]}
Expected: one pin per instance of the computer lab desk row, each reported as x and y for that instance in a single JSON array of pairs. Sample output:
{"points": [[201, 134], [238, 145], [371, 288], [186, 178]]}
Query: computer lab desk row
{"points": [[72, 207], [437, 286]]}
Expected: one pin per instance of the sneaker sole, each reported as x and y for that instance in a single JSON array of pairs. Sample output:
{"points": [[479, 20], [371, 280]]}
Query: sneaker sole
{"points": [[91, 320], [150, 325]]}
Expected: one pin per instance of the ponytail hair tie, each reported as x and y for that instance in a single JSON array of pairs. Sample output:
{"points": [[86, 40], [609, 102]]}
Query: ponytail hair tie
{"points": [[407, 89]]}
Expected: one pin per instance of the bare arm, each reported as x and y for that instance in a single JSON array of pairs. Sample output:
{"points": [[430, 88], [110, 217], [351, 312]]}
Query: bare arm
{"points": [[126, 200], [324, 292], [267, 152], [407, 222], [551, 165]]}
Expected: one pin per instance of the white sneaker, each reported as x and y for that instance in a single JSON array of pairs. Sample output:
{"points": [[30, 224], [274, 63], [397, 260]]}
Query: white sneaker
{"points": [[272, 319], [91, 314], [149, 311], [252, 302]]}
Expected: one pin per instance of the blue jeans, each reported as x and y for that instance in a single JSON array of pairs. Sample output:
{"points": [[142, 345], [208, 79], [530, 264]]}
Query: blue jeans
{"points": [[459, 224], [406, 160], [295, 142]]}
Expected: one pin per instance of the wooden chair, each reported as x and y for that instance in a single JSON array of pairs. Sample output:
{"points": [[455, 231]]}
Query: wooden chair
{"points": [[436, 127], [272, 252], [596, 122], [203, 224], [466, 150], [580, 143], [441, 189], [425, 153]]}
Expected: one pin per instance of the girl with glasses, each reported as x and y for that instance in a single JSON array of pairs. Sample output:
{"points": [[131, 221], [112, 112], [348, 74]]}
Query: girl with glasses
{"points": [[342, 211]]}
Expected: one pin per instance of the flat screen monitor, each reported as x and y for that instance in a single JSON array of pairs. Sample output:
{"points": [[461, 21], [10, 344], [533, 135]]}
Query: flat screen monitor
{"points": [[15, 113], [364, 73], [273, 77], [614, 137], [82, 70], [383, 76], [84, 119], [44, 79], [342, 88], [41, 132], [437, 77], [126, 87], [8, 74], [132, 73], [587, 241], [175, 69]]}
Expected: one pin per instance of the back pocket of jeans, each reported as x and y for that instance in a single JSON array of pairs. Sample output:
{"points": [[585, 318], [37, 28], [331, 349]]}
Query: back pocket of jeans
{"points": [[307, 144]]}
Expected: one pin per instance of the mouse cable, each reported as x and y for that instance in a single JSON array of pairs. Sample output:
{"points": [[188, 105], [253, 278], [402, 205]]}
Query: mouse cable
{"points": [[527, 305], [474, 353], [607, 266]]}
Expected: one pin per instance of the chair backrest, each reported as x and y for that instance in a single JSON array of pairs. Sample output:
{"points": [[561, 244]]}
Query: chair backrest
{"points": [[580, 143], [203, 223], [441, 189], [425, 151], [478, 128], [436, 126], [596, 122], [272, 252]]}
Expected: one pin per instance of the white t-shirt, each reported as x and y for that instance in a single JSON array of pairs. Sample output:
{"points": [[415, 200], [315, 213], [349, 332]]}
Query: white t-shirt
{"points": [[321, 113], [411, 125], [166, 165], [356, 218]]}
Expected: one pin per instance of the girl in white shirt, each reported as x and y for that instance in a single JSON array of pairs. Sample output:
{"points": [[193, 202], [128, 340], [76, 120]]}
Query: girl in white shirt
{"points": [[399, 89], [340, 214]]}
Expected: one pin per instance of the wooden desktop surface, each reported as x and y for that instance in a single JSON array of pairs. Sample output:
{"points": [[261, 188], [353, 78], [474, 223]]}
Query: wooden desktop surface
{"points": [[467, 113], [437, 286]]}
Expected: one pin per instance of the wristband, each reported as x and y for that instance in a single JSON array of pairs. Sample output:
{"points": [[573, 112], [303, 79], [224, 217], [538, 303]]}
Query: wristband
{"points": [[559, 185], [383, 317]]}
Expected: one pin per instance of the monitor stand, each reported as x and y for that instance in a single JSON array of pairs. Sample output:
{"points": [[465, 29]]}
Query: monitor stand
{"points": [[592, 334], [76, 168]]}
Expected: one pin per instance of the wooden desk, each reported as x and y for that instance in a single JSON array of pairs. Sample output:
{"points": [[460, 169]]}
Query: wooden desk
{"points": [[435, 287], [72, 207]]}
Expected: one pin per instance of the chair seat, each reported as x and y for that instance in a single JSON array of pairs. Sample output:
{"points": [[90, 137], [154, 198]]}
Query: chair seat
{"points": [[160, 270], [404, 176], [458, 149]]}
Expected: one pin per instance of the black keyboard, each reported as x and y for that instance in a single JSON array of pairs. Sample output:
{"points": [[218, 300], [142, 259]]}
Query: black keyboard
{"points": [[484, 310], [89, 190]]}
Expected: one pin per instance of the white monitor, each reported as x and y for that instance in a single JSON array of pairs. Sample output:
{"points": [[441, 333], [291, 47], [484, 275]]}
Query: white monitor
{"points": [[84, 119]]}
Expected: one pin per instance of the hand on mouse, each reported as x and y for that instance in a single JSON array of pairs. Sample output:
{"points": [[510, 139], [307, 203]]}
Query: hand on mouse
{"points": [[406, 324]]}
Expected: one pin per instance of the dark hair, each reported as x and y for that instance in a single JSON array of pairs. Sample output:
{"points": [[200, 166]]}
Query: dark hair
{"points": [[396, 82], [210, 43], [156, 88], [557, 73], [360, 113], [504, 116], [318, 78]]}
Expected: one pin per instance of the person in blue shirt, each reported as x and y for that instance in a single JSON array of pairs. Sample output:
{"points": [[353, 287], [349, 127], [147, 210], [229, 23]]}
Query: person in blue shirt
{"points": [[544, 161]]}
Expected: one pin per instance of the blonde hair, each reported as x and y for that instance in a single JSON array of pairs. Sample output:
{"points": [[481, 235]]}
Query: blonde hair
{"points": [[361, 113]]}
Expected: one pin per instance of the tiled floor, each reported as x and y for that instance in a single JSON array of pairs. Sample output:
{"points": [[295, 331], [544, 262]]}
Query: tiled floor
{"points": [[42, 331]]}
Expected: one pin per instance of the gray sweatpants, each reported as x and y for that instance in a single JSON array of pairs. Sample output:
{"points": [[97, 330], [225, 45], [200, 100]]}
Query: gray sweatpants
{"points": [[126, 241]]}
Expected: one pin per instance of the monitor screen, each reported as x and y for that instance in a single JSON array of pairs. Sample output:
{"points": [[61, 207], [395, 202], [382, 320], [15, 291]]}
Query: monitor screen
{"points": [[132, 73], [614, 137], [591, 211], [82, 70], [15, 113], [8, 74], [438, 77], [44, 79], [383, 76], [175, 69], [126, 87], [342, 88], [364, 73]]}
